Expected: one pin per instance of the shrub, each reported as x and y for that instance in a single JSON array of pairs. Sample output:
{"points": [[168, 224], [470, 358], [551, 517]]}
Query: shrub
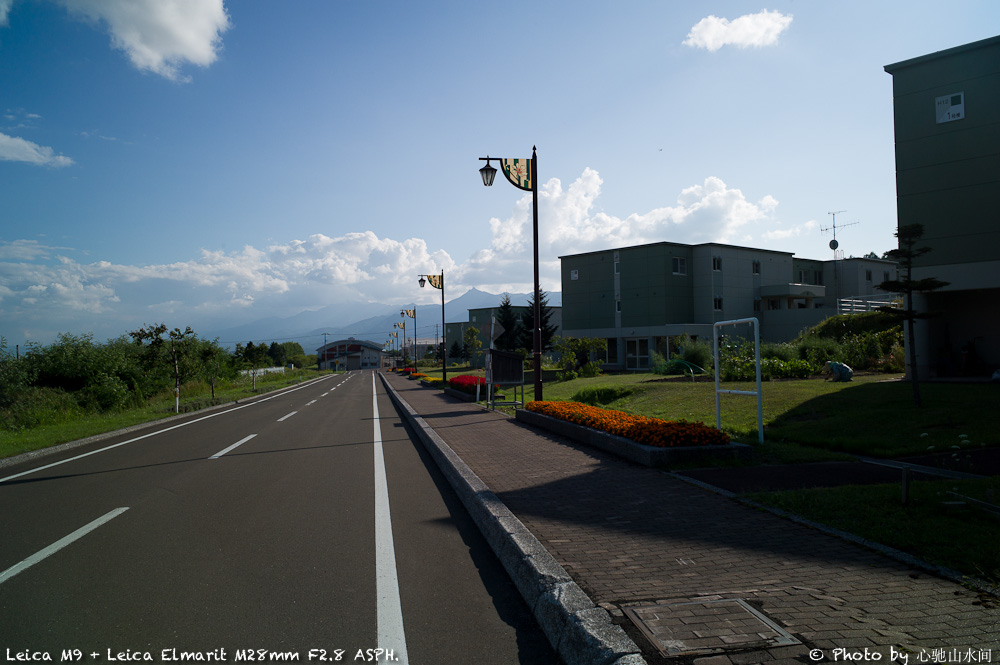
{"points": [[817, 350], [641, 429], [602, 395], [695, 351]]}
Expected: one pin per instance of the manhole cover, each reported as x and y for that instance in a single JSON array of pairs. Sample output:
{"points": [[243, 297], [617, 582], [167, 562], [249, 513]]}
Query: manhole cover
{"points": [[707, 626]]}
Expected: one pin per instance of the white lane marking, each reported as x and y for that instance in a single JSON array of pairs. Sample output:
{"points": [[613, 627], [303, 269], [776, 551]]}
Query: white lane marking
{"points": [[286, 416], [58, 545], [310, 403], [235, 445], [389, 611], [160, 431], [324, 394]]}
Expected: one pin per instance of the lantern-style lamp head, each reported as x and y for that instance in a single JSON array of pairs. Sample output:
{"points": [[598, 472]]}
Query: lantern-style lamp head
{"points": [[422, 282], [488, 173]]}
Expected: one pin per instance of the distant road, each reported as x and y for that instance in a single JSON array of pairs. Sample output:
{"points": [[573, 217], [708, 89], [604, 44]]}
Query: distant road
{"points": [[304, 525]]}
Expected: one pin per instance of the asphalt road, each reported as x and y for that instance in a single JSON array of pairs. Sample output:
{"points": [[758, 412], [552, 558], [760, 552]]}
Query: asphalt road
{"points": [[307, 525]]}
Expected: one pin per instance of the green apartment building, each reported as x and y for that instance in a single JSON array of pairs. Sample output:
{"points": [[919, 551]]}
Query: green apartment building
{"points": [[946, 112], [640, 297]]}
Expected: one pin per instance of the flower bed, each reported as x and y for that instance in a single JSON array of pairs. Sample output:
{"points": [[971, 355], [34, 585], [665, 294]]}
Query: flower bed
{"points": [[418, 375], [467, 383], [648, 441], [641, 429]]}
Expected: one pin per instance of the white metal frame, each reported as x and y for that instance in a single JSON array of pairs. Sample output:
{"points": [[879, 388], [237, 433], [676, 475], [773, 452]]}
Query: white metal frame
{"points": [[719, 391]]}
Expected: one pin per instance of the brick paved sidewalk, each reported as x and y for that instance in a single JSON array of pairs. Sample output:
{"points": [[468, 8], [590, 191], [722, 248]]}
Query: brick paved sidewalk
{"points": [[704, 572]]}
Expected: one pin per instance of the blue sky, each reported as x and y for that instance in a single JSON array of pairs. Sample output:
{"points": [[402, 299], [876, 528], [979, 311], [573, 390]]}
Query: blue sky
{"points": [[209, 164]]}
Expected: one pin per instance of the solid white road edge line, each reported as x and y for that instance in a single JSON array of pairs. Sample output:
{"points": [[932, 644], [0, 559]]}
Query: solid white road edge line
{"points": [[161, 431], [59, 544], [389, 611], [235, 445]]}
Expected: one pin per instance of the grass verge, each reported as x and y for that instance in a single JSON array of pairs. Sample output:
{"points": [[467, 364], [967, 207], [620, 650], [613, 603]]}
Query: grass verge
{"points": [[62, 428], [958, 537]]}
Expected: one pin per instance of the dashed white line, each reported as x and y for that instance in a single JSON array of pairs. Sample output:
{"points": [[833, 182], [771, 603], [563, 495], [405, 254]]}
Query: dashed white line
{"points": [[58, 545], [235, 445], [287, 416], [310, 403]]}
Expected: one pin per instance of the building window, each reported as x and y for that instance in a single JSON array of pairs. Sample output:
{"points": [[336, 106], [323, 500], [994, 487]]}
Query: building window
{"points": [[773, 303], [718, 304], [818, 277], [716, 263], [756, 304], [680, 265], [802, 277], [756, 267], [618, 305], [574, 275], [617, 270], [868, 275]]}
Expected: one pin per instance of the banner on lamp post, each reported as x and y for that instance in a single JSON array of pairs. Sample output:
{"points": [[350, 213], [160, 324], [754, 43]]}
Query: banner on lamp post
{"points": [[435, 281], [518, 173]]}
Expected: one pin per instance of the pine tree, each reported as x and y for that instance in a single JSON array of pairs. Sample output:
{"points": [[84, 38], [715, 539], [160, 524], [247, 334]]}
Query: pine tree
{"points": [[528, 323], [506, 317], [909, 235]]}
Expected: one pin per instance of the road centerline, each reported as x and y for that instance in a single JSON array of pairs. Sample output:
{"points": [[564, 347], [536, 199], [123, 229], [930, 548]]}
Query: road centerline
{"points": [[59, 544], [287, 416], [389, 611]]}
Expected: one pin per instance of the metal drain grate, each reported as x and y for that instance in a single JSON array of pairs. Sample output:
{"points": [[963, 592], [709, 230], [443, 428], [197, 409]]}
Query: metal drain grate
{"points": [[707, 626]]}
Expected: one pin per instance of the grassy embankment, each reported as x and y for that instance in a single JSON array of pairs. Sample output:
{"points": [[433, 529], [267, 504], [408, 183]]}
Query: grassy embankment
{"points": [[64, 424]]}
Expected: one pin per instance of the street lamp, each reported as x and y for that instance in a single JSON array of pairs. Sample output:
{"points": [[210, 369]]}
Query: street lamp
{"points": [[523, 174], [412, 313], [437, 281], [402, 326]]}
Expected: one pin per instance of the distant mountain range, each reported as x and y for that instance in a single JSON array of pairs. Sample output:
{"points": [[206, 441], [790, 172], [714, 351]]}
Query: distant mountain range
{"points": [[370, 321]]}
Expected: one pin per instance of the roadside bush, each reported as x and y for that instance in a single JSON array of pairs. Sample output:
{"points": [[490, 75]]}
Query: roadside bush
{"points": [[39, 406]]}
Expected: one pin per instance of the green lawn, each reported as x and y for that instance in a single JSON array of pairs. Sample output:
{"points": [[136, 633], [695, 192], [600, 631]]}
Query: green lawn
{"points": [[955, 536]]}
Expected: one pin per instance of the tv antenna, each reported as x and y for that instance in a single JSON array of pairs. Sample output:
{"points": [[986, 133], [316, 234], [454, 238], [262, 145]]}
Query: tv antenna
{"points": [[833, 243]]}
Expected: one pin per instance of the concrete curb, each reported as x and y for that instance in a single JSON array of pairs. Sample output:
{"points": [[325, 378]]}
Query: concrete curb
{"points": [[579, 631]]}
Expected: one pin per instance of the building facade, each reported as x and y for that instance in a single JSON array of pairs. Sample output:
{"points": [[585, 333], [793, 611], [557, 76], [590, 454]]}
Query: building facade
{"points": [[640, 297], [481, 319], [946, 115], [349, 354]]}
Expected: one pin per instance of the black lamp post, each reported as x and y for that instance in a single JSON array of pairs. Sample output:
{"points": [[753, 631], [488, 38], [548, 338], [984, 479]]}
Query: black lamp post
{"points": [[412, 313], [444, 330], [488, 173]]}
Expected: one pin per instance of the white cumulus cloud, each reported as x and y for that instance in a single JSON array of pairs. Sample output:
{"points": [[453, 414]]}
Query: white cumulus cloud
{"points": [[159, 35], [14, 149], [761, 29]]}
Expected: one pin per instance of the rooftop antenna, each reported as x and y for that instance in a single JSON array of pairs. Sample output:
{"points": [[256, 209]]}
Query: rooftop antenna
{"points": [[833, 243], [837, 255]]}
